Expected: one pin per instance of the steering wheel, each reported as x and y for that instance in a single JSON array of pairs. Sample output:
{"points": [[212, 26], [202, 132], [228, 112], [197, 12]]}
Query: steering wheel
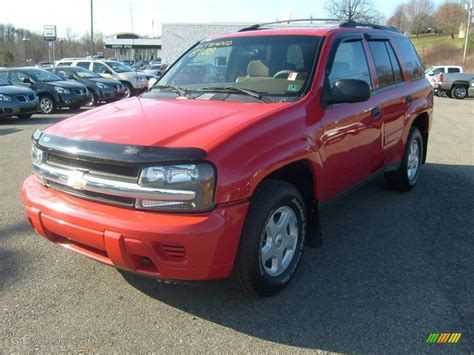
{"points": [[282, 72]]}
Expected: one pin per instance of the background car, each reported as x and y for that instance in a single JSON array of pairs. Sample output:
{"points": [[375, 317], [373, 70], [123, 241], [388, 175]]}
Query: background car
{"points": [[16, 100], [44, 65], [134, 82], [433, 71], [53, 92], [156, 69], [101, 89]]}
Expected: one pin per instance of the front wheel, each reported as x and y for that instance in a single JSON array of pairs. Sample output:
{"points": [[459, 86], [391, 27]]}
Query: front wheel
{"points": [[459, 92], [128, 90], [406, 177], [47, 105], [272, 241]]}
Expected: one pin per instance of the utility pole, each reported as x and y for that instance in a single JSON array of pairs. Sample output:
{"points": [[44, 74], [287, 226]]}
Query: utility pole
{"points": [[92, 27], [25, 41], [468, 31]]}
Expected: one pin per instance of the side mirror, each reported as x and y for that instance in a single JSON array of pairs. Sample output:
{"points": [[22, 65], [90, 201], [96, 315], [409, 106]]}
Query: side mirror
{"points": [[27, 81], [152, 82], [348, 91], [107, 71], [71, 77], [431, 74]]}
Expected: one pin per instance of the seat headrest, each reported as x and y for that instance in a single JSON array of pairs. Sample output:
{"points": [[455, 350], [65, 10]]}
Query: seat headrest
{"points": [[257, 68]]}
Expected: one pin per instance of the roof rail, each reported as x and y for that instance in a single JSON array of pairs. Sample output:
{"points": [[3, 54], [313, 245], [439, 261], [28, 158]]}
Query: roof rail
{"points": [[310, 20], [353, 24]]}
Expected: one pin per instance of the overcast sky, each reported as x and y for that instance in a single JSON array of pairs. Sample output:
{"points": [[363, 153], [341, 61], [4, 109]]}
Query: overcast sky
{"points": [[112, 16]]}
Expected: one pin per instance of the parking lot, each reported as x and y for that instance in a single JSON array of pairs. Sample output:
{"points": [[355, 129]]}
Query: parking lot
{"points": [[394, 268]]}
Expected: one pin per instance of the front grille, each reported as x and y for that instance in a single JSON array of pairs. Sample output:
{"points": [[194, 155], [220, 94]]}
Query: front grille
{"points": [[79, 91], [94, 167], [21, 98], [94, 196], [31, 97]]}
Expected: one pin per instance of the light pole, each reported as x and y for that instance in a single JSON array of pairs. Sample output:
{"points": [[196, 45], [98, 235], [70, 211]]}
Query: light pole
{"points": [[92, 27], [468, 30], [25, 41], [60, 41]]}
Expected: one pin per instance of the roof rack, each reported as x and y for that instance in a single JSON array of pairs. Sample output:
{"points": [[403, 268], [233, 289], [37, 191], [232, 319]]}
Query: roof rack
{"points": [[353, 24], [310, 20], [345, 24]]}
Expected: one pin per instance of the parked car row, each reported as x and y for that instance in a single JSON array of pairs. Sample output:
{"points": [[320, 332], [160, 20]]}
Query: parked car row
{"points": [[454, 85], [16, 100]]}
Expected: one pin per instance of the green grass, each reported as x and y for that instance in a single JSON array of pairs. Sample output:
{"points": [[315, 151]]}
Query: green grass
{"points": [[425, 43]]}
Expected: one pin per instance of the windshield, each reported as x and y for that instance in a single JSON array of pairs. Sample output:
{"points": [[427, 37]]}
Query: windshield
{"points": [[118, 67], [43, 76], [86, 74], [4, 82], [268, 65]]}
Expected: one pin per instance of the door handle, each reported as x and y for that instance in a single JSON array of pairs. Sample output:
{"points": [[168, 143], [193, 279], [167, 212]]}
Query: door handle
{"points": [[376, 112], [409, 99]]}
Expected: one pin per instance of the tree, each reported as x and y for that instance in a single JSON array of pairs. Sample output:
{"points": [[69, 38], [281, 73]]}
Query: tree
{"points": [[7, 58], [399, 18], [353, 10], [419, 14], [448, 18]]}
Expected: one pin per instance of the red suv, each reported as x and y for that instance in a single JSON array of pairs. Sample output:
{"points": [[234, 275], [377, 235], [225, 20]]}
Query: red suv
{"points": [[220, 168]]}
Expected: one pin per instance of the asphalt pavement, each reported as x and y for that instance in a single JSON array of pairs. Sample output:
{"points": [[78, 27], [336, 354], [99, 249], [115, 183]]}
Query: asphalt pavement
{"points": [[394, 268]]}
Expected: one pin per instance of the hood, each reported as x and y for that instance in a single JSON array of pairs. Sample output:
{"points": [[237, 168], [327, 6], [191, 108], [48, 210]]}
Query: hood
{"points": [[15, 90], [163, 122], [66, 84]]}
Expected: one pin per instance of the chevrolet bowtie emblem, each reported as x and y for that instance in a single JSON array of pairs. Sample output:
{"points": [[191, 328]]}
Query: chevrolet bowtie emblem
{"points": [[76, 180]]}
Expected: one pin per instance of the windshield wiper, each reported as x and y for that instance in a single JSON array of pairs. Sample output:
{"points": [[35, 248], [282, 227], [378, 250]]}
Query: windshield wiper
{"points": [[234, 89], [180, 91]]}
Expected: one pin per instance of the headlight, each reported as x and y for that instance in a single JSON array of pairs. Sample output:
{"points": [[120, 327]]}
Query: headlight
{"points": [[61, 90], [5, 98], [102, 86], [197, 181], [37, 155]]}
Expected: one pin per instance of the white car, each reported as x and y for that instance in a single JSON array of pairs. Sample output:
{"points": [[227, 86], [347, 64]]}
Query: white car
{"points": [[134, 82], [431, 72]]}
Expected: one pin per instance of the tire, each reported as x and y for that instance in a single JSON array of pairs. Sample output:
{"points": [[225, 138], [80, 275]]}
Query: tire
{"points": [[25, 116], [406, 177], [459, 92], [128, 89], [256, 268], [47, 105], [94, 101]]}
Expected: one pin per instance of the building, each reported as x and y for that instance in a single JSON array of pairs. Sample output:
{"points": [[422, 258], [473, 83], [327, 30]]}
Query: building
{"points": [[129, 46], [178, 37]]}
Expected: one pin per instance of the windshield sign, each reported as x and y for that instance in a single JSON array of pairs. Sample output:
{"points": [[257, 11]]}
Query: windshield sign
{"points": [[274, 66]]}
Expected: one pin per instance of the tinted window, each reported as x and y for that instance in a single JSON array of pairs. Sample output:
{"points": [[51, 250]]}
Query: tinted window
{"points": [[83, 64], [350, 63], [383, 64], [410, 57], [437, 71], [397, 70], [453, 70]]}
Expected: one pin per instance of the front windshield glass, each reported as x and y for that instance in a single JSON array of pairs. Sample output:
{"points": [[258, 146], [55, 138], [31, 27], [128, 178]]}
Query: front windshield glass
{"points": [[86, 74], [43, 76], [268, 65], [119, 67], [4, 82]]}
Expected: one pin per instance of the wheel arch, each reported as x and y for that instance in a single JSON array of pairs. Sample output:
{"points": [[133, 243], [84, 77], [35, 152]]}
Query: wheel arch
{"points": [[422, 122]]}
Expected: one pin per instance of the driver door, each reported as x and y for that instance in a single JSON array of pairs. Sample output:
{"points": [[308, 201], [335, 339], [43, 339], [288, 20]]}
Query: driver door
{"points": [[351, 143]]}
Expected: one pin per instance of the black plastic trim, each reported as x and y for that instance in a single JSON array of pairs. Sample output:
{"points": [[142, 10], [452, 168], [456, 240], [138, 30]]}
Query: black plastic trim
{"points": [[121, 154]]}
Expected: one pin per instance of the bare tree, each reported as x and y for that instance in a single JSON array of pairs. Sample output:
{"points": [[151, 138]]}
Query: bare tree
{"points": [[399, 19], [449, 17], [355, 10], [420, 15]]}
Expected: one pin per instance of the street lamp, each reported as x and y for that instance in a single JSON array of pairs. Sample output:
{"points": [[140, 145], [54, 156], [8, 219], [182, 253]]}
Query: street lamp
{"points": [[468, 30], [60, 40], [25, 41]]}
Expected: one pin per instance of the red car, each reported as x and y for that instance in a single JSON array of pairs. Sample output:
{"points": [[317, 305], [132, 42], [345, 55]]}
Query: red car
{"points": [[222, 174]]}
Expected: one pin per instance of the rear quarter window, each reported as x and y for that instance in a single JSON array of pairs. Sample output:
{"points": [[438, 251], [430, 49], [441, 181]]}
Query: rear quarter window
{"points": [[454, 70], [411, 60]]}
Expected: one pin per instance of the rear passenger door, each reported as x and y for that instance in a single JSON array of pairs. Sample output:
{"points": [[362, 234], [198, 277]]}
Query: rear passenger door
{"points": [[391, 95], [352, 131]]}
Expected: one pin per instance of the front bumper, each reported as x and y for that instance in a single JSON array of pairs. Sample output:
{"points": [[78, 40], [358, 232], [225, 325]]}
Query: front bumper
{"points": [[109, 95], [67, 100], [170, 246], [14, 108]]}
